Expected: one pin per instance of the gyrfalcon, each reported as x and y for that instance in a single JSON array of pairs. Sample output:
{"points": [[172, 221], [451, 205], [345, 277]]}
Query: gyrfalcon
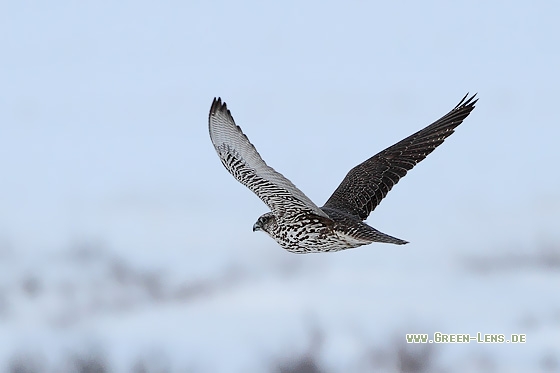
{"points": [[295, 222]]}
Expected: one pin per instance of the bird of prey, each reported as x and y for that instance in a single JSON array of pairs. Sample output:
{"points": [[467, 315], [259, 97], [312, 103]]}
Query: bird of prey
{"points": [[295, 222]]}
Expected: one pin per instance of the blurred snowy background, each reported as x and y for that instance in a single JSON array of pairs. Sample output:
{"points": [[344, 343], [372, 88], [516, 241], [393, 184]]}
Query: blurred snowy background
{"points": [[125, 246]]}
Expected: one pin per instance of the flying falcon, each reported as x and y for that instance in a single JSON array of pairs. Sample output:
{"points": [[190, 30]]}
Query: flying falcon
{"points": [[295, 222]]}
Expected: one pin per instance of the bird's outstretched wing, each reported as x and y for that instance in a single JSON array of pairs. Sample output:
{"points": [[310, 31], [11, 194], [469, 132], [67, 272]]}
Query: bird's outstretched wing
{"points": [[243, 161], [368, 183]]}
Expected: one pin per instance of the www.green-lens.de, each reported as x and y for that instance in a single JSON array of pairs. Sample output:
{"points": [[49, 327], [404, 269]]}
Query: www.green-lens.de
{"points": [[466, 338]]}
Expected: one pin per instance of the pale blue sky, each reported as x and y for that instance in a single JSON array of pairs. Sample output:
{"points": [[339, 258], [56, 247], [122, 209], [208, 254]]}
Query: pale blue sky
{"points": [[104, 140], [103, 111]]}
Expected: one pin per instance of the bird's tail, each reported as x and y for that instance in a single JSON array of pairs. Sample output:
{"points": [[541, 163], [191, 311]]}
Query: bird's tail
{"points": [[385, 238], [374, 235]]}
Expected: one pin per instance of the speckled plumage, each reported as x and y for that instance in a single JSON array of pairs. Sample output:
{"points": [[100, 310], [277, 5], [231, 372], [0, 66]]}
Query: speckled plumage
{"points": [[295, 222]]}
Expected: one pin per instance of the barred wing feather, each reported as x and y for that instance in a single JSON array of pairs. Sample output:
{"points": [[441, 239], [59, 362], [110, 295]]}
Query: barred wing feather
{"points": [[367, 184], [243, 161]]}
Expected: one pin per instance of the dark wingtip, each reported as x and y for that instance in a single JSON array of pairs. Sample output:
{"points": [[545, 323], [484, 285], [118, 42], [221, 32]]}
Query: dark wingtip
{"points": [[470, 102], [219, 107]]}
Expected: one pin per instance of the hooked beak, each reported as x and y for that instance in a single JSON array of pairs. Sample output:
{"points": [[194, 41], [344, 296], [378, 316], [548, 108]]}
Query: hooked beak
{"points": [[256, 227]]}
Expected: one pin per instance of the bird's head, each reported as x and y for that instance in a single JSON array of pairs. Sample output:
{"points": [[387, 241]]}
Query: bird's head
{"points": [[265, 223]]}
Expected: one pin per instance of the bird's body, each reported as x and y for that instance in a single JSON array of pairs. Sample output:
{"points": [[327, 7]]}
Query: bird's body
{"points": [[295, 222], [310, 233]]}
